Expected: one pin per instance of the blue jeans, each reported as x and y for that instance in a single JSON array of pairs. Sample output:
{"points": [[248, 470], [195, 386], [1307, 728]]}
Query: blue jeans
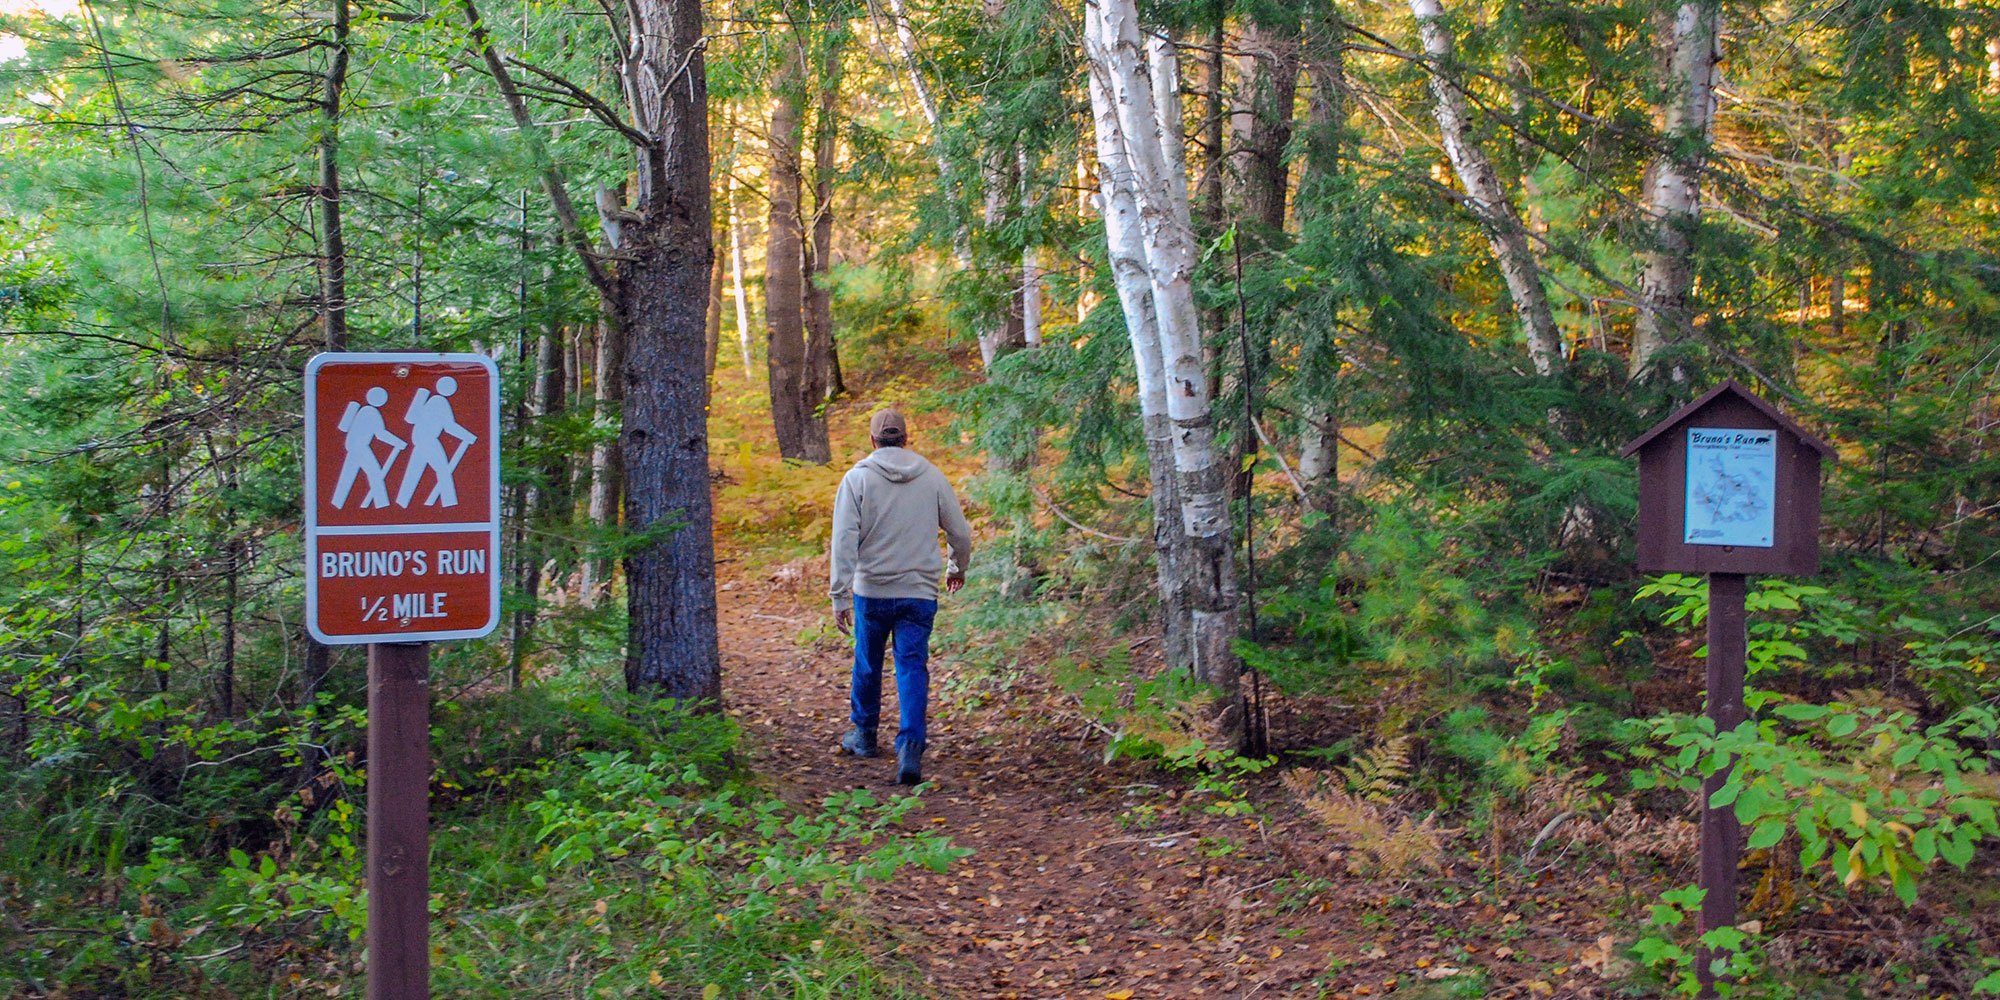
{"points": [[908, 621]]}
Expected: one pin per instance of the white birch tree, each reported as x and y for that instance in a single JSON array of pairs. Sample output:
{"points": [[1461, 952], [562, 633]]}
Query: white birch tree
{"points": [[1125, 249], [1484, 196], [1148, 123], [1673, 187]]}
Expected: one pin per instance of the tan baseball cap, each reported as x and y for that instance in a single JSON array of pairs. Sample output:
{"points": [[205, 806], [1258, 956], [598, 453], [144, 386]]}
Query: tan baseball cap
{"points": [[885, 421]]}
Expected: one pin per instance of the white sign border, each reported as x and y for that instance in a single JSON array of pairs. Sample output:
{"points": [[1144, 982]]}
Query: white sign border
{"points": [[311, 499]]}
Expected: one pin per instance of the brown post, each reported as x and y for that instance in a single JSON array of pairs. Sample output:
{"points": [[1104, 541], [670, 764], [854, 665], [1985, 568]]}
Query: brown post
{"points": [[1721, 840], [399, 859]]}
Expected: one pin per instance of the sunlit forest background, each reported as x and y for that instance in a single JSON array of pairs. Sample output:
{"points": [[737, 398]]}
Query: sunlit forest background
{"points": [[1445, 260]]}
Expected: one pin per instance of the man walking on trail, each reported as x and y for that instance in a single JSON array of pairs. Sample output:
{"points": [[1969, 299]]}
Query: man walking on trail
{"points": [[884, 554]]}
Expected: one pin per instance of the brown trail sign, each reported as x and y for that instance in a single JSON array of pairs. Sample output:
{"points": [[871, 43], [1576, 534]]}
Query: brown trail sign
{"points": [[402, 471], [402, 498], [1728, 486]]}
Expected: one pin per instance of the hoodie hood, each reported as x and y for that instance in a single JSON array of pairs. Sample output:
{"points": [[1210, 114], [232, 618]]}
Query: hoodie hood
{"points": [[897, 465]]}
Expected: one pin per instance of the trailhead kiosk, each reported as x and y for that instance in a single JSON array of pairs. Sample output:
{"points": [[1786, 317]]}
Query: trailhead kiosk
{"points": [[1728, 486]]}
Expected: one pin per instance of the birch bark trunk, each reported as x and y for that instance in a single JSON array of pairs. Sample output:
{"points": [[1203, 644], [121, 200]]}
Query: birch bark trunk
{"points": [[1118, 203], [736, 281], [1156, 164], [607, 472], [1673, 193], [1485, 198], [1031, 262], [712, 350], [993, 337], [1326, 113], [906, 46]]}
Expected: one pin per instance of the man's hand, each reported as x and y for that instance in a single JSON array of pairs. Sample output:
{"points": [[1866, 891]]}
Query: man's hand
{"points": [[953, 583], [843, 619]]}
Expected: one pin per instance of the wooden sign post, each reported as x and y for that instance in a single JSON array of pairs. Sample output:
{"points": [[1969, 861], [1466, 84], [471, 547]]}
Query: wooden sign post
{"points": [[402, 498], [1728, 486]]}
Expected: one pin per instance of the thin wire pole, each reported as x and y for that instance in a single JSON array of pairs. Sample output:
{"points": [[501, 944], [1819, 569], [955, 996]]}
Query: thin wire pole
{"points": [[1254, 724]]}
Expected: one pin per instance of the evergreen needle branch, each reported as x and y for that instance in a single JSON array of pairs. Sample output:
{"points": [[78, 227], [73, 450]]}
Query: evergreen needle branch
{"points": [[552, 180], [139, 161], [168, 352]]}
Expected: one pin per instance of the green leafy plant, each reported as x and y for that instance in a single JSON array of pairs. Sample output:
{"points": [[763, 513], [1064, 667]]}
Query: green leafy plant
{"points": [[1733, 959], [1867, 793]]}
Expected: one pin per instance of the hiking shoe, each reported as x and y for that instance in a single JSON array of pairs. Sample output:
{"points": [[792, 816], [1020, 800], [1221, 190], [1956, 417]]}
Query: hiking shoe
{"points": [[910, 764], [859, 742]]}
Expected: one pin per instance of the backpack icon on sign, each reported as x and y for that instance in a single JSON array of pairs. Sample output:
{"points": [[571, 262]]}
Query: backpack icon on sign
{"points": [[363, 426], [430, 418]]}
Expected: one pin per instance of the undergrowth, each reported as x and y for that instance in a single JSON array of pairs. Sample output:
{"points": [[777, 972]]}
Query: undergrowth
{"points": [[584, 844]]}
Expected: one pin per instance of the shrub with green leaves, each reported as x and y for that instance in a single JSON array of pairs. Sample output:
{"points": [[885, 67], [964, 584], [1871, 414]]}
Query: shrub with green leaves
{"points": [[1865, 792]]}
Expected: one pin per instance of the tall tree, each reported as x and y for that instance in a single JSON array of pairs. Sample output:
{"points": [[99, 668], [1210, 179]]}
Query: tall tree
{"points": [[1143, 92], [823, 382], [1485, 198], [671, 649], [1261, 123], [797, 397], [1126, 253], [1325, 66], [333, 256], [1688, 51]]}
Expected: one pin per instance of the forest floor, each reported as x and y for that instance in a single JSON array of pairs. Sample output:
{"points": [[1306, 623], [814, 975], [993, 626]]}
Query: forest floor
{"points": [[1065, 895]]}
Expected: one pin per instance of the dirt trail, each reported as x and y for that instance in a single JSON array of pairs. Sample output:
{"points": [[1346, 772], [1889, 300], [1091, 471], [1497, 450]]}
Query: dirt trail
{"points": [[1057, 900]]}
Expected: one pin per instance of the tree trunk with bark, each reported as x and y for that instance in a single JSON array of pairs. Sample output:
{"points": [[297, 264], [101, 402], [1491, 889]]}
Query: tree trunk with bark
{"points": [[1262, 122], [1485, 198], [796, 413], [822, 366], [1214, 122], [1125, 249], [671, 648], [1261, 129], [713, 349], [333, 263], [1673, 188], [1149, 122], [607, 471], [1326, 114], [736, 283]]}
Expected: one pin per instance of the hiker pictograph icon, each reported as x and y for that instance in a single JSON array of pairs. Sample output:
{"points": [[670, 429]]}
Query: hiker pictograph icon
{"points": [[430, 418], [364, 426]]}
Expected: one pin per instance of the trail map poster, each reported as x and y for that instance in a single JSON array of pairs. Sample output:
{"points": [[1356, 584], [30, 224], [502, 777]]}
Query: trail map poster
{"points": [[1731, 486]]}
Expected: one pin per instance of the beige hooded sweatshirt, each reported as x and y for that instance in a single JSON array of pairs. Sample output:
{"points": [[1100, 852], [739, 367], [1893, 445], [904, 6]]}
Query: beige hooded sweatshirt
{"points": [[886, 518]]}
